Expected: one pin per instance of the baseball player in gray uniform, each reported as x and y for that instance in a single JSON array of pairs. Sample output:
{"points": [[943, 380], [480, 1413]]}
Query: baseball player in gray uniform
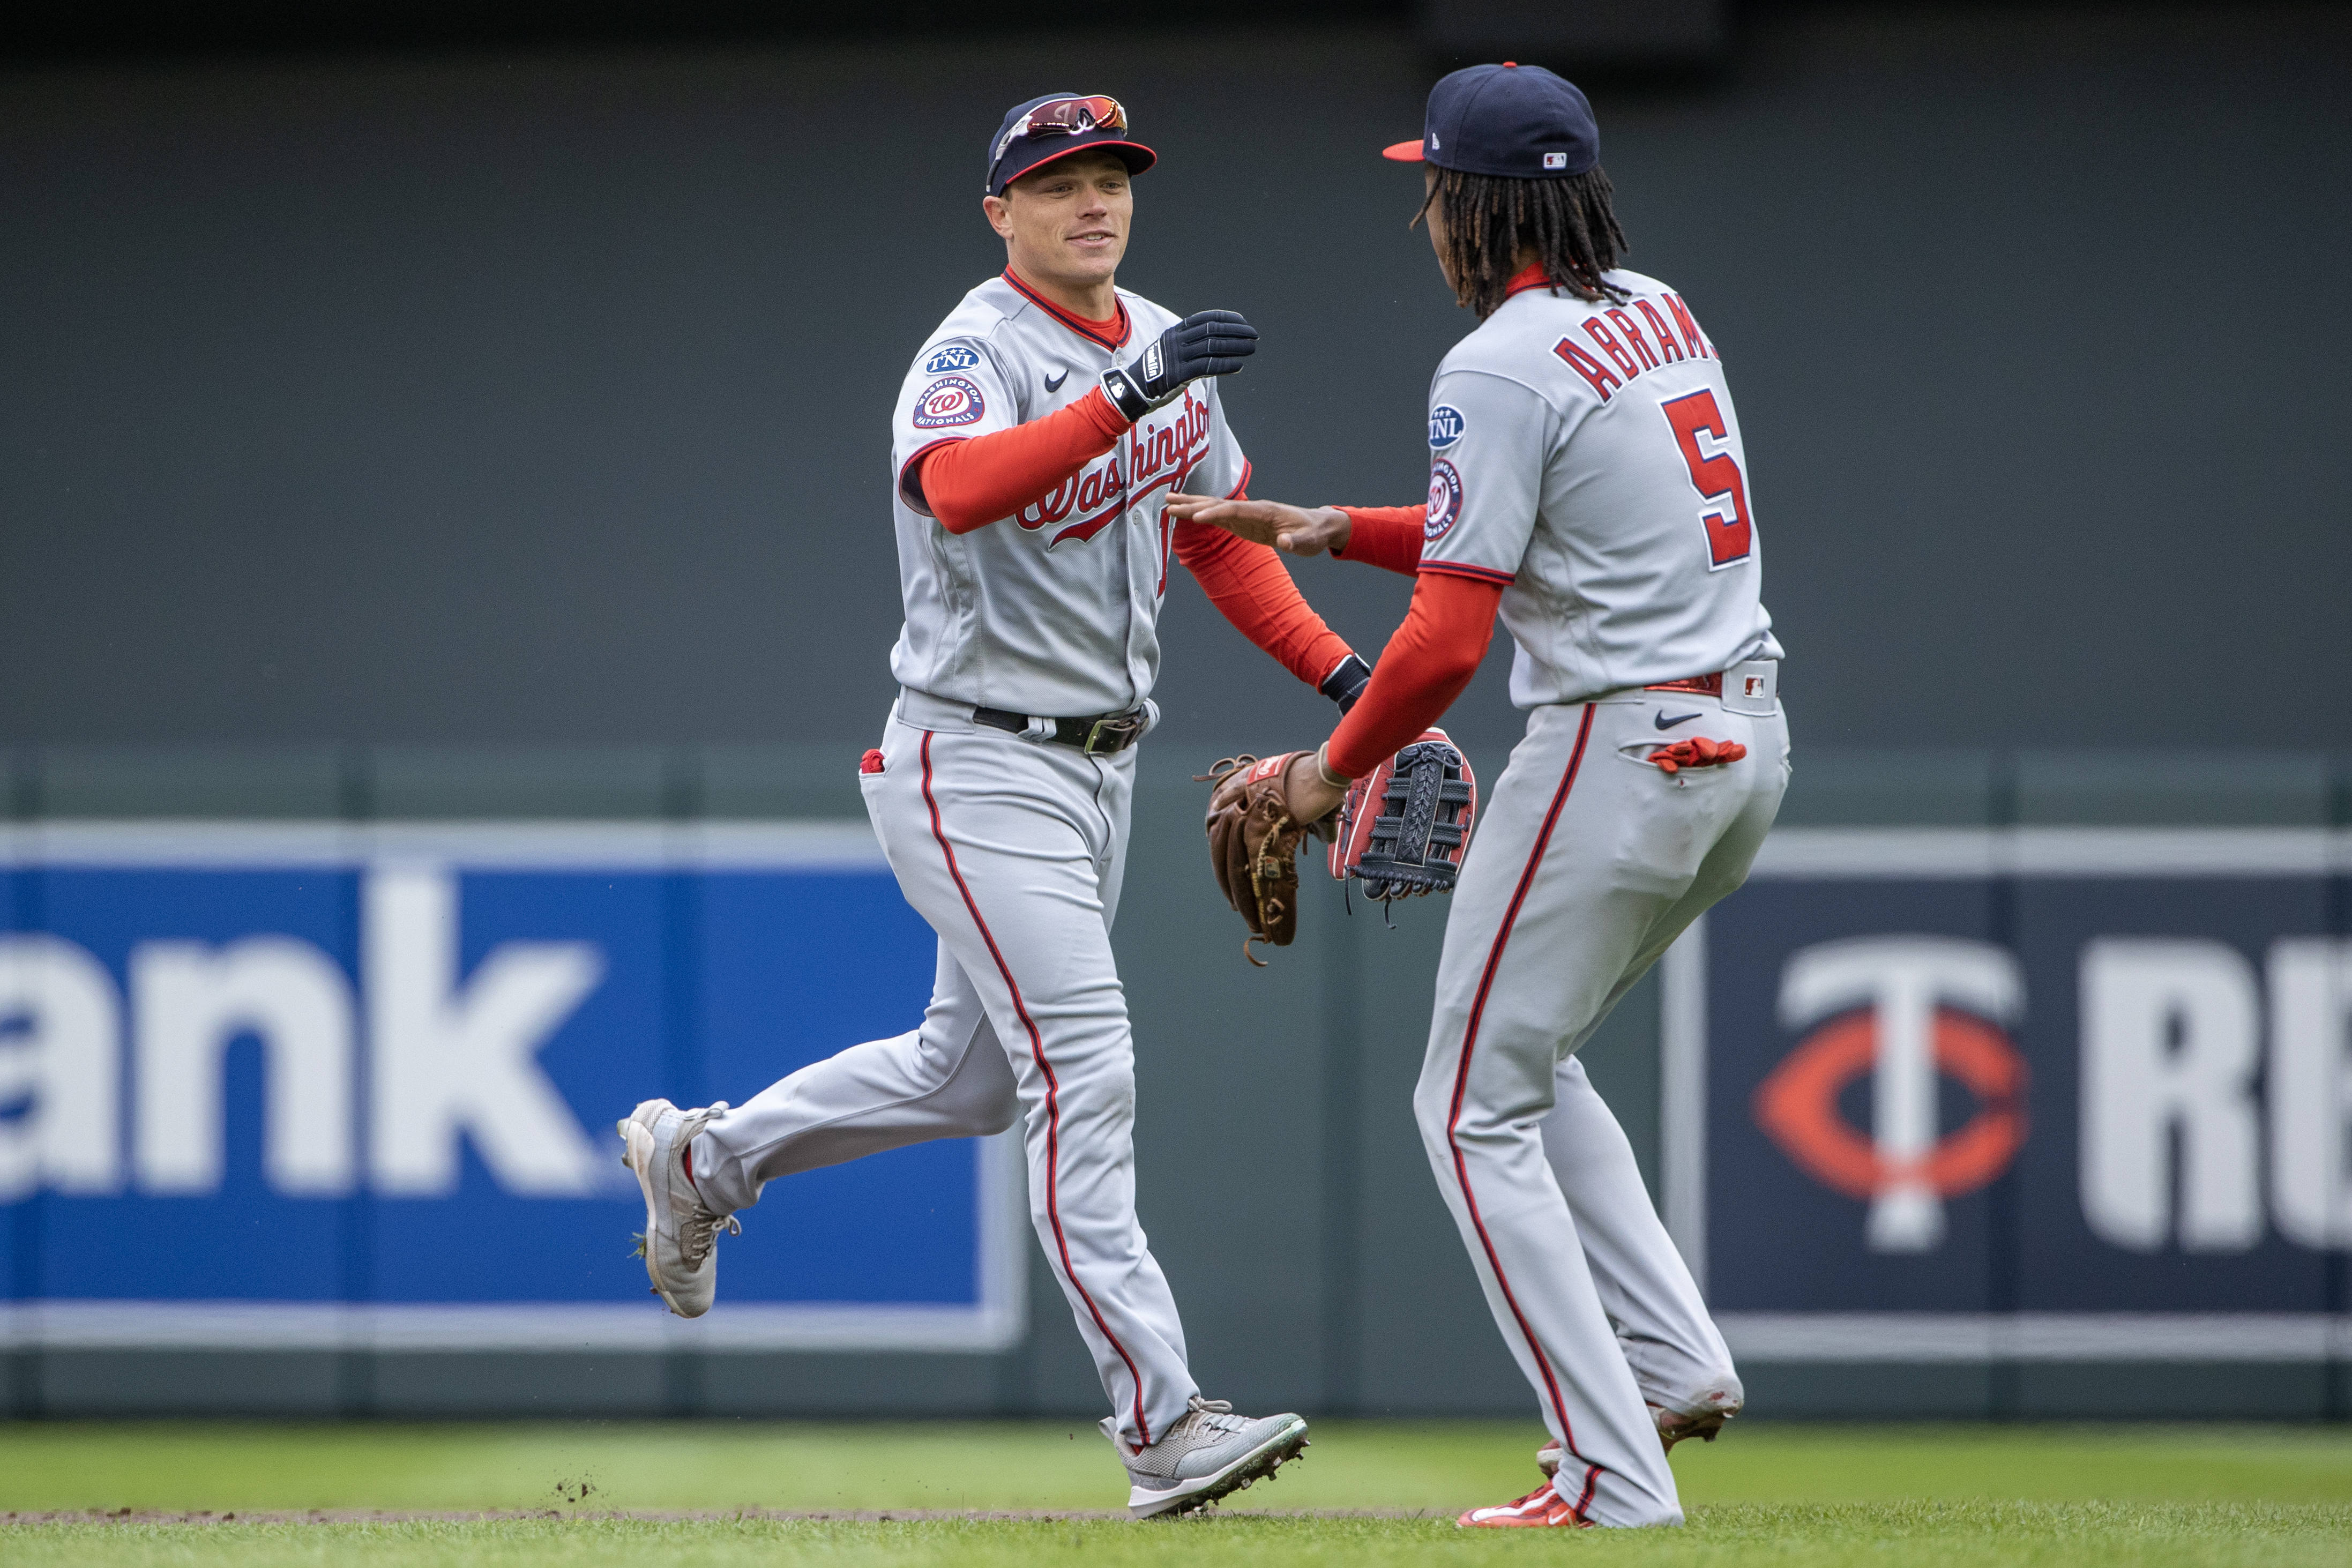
{"points": [[1036, 440], [1587, 480]]}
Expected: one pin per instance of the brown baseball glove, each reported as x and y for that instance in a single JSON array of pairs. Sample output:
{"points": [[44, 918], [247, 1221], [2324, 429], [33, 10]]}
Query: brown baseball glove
{"points": [[1254, 845]]}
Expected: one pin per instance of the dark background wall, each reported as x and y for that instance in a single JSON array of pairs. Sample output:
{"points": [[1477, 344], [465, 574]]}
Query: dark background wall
{"points": [[540, 395], [361, 408]]}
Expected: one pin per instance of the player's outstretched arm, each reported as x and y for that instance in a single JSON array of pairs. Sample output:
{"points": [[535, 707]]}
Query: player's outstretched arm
{"points": [[1424, 668], [1387, 536], [1252, 588], [1293, 529]]}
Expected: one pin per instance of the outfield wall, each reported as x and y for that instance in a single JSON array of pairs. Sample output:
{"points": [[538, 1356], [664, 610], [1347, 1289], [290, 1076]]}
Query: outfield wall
{"points": [[2008, 1086]]}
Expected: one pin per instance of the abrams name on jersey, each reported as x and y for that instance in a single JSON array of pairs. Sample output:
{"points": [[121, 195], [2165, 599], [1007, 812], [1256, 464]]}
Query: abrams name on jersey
{"points": [[1158, 452]]}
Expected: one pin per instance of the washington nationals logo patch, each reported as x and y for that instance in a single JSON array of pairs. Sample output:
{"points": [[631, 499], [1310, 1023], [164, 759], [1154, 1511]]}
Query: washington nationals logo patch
{"points": [[1445, 500], [1446, 425], [955, 356], [951, 400]]}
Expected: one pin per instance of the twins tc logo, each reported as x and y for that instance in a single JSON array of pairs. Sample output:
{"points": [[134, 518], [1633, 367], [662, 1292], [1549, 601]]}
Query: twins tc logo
{"points": [[1905, 1011], [951, 400]]}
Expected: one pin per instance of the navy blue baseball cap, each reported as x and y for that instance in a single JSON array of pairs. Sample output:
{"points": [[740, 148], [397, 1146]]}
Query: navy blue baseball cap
{"points": [[1510, 119], [1036, 132]]}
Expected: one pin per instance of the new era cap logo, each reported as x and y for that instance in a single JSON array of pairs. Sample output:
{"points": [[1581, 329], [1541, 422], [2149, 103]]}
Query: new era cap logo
{"points": [[1555, 160]]}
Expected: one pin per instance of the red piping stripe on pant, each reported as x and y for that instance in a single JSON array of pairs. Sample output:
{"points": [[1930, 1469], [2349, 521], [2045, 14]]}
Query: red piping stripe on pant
{"points": [[1053, 1098], [1462, 1085]]}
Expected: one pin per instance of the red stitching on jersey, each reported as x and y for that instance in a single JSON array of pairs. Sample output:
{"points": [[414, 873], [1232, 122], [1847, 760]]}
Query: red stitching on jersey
{"points": [[1053, 1096], [1090, 331], [1461, 1086], [1483, 574]]}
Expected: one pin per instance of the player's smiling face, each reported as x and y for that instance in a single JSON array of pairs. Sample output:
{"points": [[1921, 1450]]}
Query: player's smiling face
{"points": [[1066, 224]]}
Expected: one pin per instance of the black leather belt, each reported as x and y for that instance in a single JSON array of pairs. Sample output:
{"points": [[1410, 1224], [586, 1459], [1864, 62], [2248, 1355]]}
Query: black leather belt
{"points": [[1097, 736]]}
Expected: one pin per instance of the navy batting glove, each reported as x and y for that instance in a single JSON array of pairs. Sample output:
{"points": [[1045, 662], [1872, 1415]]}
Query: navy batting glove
{"points": [[1207, 343], [1346, 683]]}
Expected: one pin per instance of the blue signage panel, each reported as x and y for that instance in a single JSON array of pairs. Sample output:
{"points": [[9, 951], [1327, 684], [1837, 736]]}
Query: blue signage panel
{"points": [[2034, 1093], [327, 1085]]}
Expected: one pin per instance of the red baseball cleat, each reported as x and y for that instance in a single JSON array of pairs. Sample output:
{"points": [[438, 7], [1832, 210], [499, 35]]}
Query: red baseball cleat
{"points": [[1540, 1509]]}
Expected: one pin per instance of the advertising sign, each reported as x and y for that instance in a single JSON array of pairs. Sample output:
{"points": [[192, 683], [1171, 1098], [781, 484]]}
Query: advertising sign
{"points": [[2025, 1094], [355, 1086]]}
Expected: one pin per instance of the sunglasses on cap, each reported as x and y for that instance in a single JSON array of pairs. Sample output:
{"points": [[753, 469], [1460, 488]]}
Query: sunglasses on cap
{"points": [[1066, 117]]}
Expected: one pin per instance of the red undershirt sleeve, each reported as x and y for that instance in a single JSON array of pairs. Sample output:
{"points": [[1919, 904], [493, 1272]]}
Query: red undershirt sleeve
{"points": [[1424, 668], [1385, 536], [1251, 586], [970, 484]]}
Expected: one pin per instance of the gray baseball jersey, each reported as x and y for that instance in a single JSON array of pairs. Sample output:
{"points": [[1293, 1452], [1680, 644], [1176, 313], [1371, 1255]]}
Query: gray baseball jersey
{"points": [[1588, 455], [1056, 611]]}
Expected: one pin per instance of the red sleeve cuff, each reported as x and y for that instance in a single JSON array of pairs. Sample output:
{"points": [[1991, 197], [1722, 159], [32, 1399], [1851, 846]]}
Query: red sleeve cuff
{"points": [[1385, 536]]}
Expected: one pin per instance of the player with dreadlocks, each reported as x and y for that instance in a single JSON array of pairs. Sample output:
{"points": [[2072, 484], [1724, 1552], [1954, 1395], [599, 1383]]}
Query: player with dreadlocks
{"points": [[1587, 480], [1489, 229]]}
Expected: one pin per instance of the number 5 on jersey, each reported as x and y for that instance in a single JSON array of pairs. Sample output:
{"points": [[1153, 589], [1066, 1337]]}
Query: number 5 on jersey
{"points": [[1714, 475]]}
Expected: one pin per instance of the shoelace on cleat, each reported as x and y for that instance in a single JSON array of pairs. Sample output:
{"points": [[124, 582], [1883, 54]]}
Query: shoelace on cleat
{"points": [[699, 1233], [1216, 1414]]}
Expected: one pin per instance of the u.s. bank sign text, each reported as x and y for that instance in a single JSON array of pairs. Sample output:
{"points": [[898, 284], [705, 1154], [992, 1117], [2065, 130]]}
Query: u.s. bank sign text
{"points": [[318, 1085], [2024, 1093]]}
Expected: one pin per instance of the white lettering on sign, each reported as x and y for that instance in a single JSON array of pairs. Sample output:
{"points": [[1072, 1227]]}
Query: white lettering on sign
{"points": [[448, 1062], [2170, 1042], [2310, 1091], [61, 1059], [188, 1001]]}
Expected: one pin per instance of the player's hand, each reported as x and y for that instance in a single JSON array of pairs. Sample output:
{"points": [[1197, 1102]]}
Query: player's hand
{"points": [[1293, 529], [1206, 342], [1306, 794]]}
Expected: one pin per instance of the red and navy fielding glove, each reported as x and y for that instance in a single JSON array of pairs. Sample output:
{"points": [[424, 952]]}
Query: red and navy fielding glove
{"points": [[1405, 825]]}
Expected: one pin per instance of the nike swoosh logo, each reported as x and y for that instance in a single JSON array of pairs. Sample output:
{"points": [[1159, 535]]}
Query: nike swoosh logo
{"points": [[1054, 383], [1665, 723]]}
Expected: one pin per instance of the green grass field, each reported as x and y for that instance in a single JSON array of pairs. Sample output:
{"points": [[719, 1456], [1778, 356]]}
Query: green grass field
{"points": [[2087, 1497]]}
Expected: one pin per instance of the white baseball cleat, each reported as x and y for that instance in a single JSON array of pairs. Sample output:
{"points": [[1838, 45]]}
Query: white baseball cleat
{"points": [[1703, 1420], [1209, 1453], [680, 1243]]}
